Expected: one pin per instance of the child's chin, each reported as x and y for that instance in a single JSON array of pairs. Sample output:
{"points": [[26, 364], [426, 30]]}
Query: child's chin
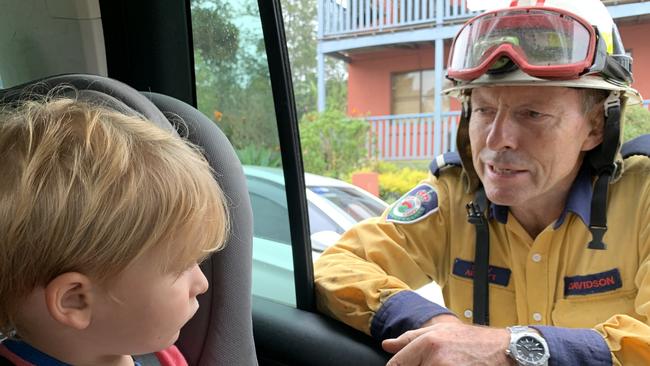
{"points": [[169, 342]]}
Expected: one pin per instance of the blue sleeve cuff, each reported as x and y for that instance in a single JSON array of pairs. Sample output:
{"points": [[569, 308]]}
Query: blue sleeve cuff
{"points": [[404, 311], [575, 346]]}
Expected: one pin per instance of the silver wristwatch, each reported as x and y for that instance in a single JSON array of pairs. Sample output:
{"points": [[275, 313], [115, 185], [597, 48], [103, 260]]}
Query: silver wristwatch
{"points": [[527, 347]]}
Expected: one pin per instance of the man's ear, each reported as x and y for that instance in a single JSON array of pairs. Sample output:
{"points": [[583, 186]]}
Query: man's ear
{"points": [[596, 120], [69, 299]]}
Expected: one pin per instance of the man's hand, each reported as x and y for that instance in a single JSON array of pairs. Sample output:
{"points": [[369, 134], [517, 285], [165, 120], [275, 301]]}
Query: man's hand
{"points": [[449, 342]]}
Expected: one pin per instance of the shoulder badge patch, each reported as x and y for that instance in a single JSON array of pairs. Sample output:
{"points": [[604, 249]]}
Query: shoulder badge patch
{"points": [[414, 206]]}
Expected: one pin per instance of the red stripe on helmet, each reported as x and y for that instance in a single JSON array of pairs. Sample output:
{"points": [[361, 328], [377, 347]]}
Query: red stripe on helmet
{"points": [[540, 2], [514, 3]]}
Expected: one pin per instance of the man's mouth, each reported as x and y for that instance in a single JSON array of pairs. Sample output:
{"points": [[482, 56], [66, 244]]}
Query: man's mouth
{"points": [[504, 171]]}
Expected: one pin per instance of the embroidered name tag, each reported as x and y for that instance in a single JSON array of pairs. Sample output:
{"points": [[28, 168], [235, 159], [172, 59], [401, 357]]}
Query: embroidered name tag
{"points": [[496, 275], [593, 283]]}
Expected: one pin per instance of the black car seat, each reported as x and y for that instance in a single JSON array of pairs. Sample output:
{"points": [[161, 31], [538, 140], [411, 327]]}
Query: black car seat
{"points": [[221, 332]]}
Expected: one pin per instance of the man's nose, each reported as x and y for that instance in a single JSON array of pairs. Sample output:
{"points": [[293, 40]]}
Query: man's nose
{"points": [[502, 133]]}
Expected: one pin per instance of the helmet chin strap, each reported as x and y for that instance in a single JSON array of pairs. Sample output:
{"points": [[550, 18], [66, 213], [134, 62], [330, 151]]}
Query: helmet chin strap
{"points": [[602, 159], [476, 215]]}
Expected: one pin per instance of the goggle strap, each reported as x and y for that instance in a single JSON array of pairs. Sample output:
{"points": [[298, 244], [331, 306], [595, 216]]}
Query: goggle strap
{"points": [[614, 68], [617, 67]]}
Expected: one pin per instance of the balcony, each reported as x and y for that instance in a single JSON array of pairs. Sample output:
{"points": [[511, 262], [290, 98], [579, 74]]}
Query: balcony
{"points": [[349, 18], [355, 17]]}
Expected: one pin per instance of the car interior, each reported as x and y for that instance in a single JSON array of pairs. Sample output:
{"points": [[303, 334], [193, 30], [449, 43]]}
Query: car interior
{"points": [[140, 56]]}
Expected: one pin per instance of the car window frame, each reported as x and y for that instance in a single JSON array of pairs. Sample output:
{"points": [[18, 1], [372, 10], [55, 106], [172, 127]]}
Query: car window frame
{"points": [[290, 150]]}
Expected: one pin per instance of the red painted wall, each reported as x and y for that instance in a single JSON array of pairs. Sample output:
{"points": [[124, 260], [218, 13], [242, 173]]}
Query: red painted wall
{"points": [[369, 77], [369, 74], [634, 39]]}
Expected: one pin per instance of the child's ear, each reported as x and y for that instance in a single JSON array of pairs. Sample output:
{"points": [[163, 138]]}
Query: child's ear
{"points": [[68, 298]]}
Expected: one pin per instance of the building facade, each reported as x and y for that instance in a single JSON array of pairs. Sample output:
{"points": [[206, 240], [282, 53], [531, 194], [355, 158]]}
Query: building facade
{"points": [[396, 53]]}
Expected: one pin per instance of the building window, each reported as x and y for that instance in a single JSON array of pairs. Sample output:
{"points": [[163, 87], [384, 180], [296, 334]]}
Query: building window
{"points": [[413, 92]]}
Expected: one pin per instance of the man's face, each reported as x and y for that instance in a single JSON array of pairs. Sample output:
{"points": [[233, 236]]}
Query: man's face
{"points": [[527, 142]]}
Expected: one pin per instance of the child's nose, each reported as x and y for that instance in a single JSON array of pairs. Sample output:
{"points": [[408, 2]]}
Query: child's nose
{"points": [[200, 282]]}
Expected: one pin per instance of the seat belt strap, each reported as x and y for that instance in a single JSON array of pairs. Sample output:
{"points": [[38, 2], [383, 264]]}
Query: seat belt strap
{"points": [[476, 216]]}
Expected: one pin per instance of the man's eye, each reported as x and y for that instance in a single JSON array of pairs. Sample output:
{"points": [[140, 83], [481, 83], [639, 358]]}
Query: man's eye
{"points": [[534, 114]]}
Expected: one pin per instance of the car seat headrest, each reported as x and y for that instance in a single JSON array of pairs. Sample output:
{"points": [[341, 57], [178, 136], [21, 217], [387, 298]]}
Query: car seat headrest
{"points": [[94, 89]]}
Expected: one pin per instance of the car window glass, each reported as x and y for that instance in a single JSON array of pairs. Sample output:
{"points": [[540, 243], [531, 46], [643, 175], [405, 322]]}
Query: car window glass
{"points": [[319, 221], [233, 89], [268, 216], [352, 202]]}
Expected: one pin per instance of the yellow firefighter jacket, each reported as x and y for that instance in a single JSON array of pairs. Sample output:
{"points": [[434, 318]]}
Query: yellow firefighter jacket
{"points": [[551, 282]]}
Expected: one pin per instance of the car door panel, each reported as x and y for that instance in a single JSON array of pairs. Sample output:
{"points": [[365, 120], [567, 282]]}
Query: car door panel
{"points": [[285, 335]]}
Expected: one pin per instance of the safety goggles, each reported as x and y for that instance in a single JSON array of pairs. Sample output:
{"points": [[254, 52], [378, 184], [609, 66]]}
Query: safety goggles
{"points": [[545, 43]]}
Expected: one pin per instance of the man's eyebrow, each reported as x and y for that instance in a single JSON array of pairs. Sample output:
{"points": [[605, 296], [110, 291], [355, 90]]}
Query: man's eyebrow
{"points": [[479, 99]]}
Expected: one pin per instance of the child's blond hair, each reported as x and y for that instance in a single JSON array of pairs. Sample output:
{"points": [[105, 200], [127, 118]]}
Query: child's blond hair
{"points": [[88, 189]]}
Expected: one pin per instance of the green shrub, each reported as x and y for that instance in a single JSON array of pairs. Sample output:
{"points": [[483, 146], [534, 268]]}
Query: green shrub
{"points": [[333, 144], [254, 155], [394, 179], [394, 185], [637, 122]]}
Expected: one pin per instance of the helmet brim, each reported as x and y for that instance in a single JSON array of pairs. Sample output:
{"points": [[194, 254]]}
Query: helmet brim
{"points": [[520, 78]]}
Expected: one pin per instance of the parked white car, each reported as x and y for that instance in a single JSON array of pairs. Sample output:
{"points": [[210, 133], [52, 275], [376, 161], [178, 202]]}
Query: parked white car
{"points": [[333, 206]]}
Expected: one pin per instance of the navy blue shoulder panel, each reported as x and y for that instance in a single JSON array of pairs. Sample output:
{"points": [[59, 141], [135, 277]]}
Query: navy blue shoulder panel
{"points": [[637, 146], [451, 158]]}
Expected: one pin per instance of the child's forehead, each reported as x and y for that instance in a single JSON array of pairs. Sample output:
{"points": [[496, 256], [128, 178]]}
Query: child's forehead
{"points": [[177, 248]]}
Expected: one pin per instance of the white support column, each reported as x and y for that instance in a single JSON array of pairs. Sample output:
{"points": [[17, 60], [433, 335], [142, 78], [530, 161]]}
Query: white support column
{"points": [[439, 47], [438, 74]]}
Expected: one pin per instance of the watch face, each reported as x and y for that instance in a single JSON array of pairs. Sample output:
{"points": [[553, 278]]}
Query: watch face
{"points": [[529, 349]]}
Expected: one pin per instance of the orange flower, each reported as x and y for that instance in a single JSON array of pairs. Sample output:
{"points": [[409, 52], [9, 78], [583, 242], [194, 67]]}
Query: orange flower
{"points": [[217, 116]]}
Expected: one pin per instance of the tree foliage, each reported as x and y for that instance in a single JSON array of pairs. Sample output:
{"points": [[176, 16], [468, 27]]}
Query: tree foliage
{"points": [[637, 122], [332, 143], [232, 77], [301, 27]]}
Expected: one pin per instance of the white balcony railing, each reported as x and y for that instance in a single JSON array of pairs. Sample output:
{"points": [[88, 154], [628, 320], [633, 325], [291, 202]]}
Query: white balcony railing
{"points": [[341, 17], [348, 17], [415, 136], [411, 136]]}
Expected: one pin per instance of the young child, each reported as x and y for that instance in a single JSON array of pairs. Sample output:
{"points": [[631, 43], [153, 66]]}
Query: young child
{"points": [[103, 219]]}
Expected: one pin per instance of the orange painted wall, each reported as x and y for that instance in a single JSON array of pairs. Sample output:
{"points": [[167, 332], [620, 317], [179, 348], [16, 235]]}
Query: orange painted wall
{"points": [[634, 38]]}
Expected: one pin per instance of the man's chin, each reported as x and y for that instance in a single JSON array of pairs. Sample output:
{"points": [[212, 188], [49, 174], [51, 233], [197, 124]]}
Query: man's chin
{"points": [[503, 197]]}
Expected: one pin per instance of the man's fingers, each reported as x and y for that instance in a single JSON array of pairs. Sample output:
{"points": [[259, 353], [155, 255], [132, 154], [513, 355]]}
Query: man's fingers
{"points": [[412, 354], [394, 345]]}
